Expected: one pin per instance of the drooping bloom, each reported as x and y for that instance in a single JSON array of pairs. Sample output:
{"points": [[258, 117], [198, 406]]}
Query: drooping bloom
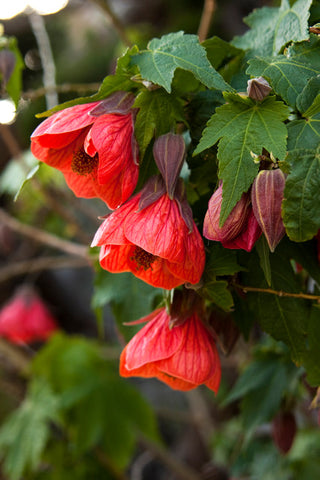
{"points": [[183, 356], [26, 319], [267, 195], [153, 234], [94, 146], [239, 231]]}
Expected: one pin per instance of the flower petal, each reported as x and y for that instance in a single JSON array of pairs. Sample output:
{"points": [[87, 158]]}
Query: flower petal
{"points": [[114, 258], [158, 229], [158, 274]]}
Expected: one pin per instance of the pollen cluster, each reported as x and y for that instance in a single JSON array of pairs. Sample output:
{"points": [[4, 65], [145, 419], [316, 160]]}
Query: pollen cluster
{"points": [[142, 258], [83, 164]]}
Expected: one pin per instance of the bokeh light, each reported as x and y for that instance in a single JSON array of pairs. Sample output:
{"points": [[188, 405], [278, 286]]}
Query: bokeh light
{"points": [[11, 8], [7, 111], [47, 7]]}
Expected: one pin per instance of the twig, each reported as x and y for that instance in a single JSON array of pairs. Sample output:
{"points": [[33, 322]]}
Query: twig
{"points": [[39, 264], [44, 237], [279, 293], [9, 140], [16, 356], [79, 88], [45, 52], [181, 470], [206, 19], [103, 4]]}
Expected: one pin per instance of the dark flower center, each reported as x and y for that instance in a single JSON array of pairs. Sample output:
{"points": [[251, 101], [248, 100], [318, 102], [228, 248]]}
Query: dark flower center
{"points": [[83, 164], [142, 258]]}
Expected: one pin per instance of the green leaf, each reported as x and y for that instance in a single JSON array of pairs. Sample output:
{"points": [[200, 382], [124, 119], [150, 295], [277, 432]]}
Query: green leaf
{"points": [[221, 261], [301, 205], [158, 63], [130, 297], [24, 434], [264, 255], [243, 126], [304, 253], [272, 28], [311, 357], [17, 172], [99, 407], [157, 115], [219, 51], [304, 134], [284, 318], [219, 294], [309, 96], [14, 84]]}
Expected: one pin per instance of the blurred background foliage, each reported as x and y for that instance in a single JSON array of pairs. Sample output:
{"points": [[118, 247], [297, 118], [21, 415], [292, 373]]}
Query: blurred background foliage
{"points": [[64, 409]]}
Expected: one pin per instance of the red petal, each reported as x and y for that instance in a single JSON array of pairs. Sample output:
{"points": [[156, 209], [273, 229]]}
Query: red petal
{"points": [[248, 237], [158, 229], [154, 342], [191, 269], [114, 258], [63, 127], [158, 274], [112, 135], [195, 360], [111, 230]]}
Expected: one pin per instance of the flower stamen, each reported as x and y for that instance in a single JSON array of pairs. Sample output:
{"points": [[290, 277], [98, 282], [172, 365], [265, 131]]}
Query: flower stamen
{"points": [[82, 163], [142, 258]]}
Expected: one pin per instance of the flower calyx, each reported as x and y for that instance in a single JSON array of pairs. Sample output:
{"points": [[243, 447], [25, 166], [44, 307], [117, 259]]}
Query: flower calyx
{"points": [[119, 103], [184, 303], [258, 88]]}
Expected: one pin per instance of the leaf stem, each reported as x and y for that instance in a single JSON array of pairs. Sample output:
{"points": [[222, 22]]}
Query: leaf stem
{"points": [[206, 19], [279, 293]]}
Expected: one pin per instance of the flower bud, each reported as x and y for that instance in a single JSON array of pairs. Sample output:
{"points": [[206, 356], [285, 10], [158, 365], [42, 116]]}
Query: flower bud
{"points": [[267, 195], [234, 223], [283, 431], [258, 88]]}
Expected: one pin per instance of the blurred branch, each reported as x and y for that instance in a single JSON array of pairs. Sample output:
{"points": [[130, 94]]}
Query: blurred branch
{"points": [[45, 52], [39, 264], [44, 237], [9, 140], [18, 359], [104, 5], [206, 19], [79, 88], [181, 470]]}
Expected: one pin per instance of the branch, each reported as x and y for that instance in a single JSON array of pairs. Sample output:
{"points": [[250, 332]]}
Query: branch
{"points": [[206, 19], [44, 237], [181, 470], [45, 52], [79, 88], [103, 4], [279, 293], [39, 264]]}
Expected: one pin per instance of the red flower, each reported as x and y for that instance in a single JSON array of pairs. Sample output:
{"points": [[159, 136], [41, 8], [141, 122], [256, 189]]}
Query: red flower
{"points": [[93, 145], [183, 356], [154, 243], [26, 319]]}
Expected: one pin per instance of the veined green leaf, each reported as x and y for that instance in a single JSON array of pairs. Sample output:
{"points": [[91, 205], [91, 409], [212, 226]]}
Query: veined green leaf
{"points": [[301, 205], [272, 28], [243, 127], [219, 294], [157, 115], [158, 63]]}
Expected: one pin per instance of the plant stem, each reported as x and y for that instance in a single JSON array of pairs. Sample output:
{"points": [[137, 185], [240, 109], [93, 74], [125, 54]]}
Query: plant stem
{"points": [[279, 293], [79, 88], [206, 19], [44, 237]]}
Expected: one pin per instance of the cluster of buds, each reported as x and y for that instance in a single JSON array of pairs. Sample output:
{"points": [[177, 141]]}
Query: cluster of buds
{"points": [[256, 212]]}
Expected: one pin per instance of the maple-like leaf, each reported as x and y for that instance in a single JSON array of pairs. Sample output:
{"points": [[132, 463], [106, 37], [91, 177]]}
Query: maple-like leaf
{"points": [[272, 28], [288, 74], [243, 126], [163, 56]]}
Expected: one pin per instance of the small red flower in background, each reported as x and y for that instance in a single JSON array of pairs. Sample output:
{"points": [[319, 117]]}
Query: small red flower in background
{"points": [[181, 354], [153, 234], [93, 145], [26, 319]]}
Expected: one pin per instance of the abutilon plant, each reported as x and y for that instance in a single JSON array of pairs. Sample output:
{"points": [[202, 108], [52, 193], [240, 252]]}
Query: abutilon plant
{"points": [[153, 234], [94, 146]]}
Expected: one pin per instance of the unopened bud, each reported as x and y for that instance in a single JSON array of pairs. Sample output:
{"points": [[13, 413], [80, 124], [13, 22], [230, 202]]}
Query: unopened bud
{"points": [[234, 223], [283, 431], [258, 88], [267, 196]]}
